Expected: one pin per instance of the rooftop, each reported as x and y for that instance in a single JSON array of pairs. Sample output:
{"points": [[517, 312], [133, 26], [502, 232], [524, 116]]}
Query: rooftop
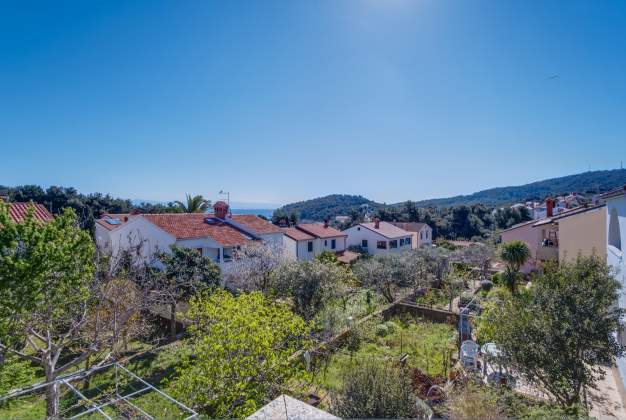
{"points": [[285, 407], [386, 229], [18, 212], [410, 226], [297, 235], [319, 230]]}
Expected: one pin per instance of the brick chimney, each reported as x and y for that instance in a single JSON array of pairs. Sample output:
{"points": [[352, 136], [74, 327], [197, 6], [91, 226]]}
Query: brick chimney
{"points": [[220, 208], [549, 207], [376, 223], [325, 223]]}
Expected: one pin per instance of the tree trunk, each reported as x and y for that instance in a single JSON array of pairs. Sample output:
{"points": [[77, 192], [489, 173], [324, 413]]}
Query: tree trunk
{"points": [[52, 393], [172, 322]]}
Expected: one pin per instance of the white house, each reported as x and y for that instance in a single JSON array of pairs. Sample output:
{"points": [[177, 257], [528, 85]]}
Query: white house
{"points": [[616, 247], [422, 233], [306, 241], [379, 237], [218, 235]]}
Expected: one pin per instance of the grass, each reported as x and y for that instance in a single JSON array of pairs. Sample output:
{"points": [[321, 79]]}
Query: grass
{"points": [[156, 368], [428, 346]]}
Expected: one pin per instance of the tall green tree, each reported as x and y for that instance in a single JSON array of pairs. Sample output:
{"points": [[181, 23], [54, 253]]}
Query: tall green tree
{"points": [[514, 254], [240, 353], [185, 272], [46, 271], [194, 204], [560, 333]]}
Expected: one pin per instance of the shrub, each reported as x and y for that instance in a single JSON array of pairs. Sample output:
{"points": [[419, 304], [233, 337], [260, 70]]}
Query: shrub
{"points": [[486, 285], [382, 330], [375, 389], [391, 326], [473, 402]]}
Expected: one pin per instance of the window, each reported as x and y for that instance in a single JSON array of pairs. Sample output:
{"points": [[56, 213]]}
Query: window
{"points": [[381, 245], [333, 244], [408, 241], [325, 243], [199, 250], [359, 228], [310, 246], [426, 234], [402, 242], [364, 243], [421, 235], [614, 233], [393, 244]]}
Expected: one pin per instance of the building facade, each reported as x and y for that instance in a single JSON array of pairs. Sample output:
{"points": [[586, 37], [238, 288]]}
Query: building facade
{"points": [[379, 238], [306, 241]]}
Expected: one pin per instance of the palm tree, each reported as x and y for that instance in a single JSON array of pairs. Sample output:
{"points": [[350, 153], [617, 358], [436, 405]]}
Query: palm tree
{"points": [[514, 254], [195, 204]]}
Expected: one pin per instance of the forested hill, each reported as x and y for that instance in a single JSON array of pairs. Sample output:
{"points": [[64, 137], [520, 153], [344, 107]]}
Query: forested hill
{"points": [[587, 183], [327, 207]]}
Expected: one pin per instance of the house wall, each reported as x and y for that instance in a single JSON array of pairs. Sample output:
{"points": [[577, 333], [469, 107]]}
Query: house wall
{"points": [[426, 238], [583, 233], [356, 234], [137, 231], [531, 236], [291, 247], [615, 258]]}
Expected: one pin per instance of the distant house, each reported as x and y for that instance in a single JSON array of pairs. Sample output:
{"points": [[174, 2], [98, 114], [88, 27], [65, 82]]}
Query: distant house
{"points": [[615, 230], [218, 236], [379, 237], [561, 236], [306, 241], [18, 212], [422, 233]]}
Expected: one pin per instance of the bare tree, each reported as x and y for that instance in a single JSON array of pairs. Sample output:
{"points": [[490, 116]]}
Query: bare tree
{"points": [[254, 267]]}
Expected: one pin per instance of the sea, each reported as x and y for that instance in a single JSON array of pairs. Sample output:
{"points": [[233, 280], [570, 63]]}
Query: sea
{"points": [[262, 212]]}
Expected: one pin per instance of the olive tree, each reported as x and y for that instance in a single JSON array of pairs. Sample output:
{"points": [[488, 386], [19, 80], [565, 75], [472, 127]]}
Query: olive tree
{"points": [[55, 312], [185, 272], [559, 333], [310, 284]]}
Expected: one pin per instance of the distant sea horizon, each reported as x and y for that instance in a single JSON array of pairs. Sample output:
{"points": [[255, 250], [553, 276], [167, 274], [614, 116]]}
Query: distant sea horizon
{"points": [[263, 212]]}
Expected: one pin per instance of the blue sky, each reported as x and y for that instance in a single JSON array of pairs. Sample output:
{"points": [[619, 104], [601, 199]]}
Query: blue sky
{"points": [[283, 101]]}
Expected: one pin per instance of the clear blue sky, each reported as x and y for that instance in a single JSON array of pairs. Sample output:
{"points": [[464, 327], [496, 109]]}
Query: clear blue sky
{"points": [[282, 101]]}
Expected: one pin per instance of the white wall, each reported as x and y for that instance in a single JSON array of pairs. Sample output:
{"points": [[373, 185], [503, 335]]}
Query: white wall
{"points": [[425, 236], [300, 249], [616, 259], [133, 233], [356, 234], [291, 247]]}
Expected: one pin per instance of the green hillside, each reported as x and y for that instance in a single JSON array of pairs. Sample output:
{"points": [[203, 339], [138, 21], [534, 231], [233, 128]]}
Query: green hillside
{"points": [[587, 183]]}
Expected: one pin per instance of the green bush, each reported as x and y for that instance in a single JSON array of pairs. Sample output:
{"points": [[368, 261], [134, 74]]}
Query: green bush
{"points": [[382, 330], [373, 388], [391, 326]]}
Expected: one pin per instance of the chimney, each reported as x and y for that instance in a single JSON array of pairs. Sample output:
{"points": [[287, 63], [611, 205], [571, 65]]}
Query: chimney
{"points": [[221, 209], [125, 218], [325, 223], [549, 207], [377, 223]]}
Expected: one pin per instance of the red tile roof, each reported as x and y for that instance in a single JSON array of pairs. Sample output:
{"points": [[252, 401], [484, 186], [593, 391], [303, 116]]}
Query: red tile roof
{"points": [[319, 230], [255, 223], [194, 225], [297, 235], [386, 229], [347, 257], [122, 217], [18, 212], [409, 226]]}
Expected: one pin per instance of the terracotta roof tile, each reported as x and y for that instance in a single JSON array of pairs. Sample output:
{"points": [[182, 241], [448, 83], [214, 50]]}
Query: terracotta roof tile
{"points": [[409, 226], [386, 229], [319, 230], [121, 217], [18, 212], [195, 225], [297, 235]]}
